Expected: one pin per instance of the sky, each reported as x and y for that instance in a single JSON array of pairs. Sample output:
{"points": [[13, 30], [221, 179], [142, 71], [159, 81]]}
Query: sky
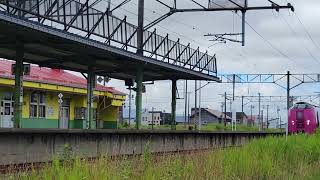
{"points": [[276, 42]]}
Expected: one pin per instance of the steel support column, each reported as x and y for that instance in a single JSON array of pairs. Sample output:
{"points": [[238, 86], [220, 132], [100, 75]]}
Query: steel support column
{"points": [[185, 102], [225, 109], [140, 27], [173, 104], [259, 113], [18, 97], [139, 77], [90, 86], [139, 80], [242, 104]]}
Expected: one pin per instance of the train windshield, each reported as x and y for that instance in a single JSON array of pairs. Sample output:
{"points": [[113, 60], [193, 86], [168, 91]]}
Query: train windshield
{"points": [[302, 106]]}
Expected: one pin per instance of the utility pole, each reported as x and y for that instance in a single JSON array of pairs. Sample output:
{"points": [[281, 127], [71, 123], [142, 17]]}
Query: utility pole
{"points": [[189, 109], [242, 104], [259, 112], [185, 102], [109, 6], [199, 107], [152, 121], [222, 107], [244, 22], [262, 120], [225, 108], [130, 106], [279, 122], [288, 99], [195, 100], [267, 116], [233, 86], [251, 108]]}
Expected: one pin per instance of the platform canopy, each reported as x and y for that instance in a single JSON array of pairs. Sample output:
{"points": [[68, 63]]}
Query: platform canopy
{"points": [[75, 35]]}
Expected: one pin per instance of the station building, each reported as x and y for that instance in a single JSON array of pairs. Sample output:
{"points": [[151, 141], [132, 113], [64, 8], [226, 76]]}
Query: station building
{"points": [[42, 107]]}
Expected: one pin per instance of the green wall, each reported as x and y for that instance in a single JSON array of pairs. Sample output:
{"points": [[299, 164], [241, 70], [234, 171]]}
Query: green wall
{"points": [[54, 123], [39, 123]]}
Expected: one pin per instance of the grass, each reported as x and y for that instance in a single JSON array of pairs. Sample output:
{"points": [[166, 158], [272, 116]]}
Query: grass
{"points": [[269, 158]]}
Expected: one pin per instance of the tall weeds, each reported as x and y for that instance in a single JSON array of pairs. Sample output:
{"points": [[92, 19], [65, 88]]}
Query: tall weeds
{"points": [[269, 158]]}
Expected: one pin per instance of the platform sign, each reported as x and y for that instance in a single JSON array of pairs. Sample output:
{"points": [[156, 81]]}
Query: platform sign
{"points": [[60, 96]]}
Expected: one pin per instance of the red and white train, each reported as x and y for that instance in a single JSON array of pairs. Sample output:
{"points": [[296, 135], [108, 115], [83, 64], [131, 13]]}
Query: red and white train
{"points": [[303, 117]]}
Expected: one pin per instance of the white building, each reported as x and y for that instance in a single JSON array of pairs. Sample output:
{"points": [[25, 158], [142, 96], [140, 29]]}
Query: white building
{"points": [[147, 117]]}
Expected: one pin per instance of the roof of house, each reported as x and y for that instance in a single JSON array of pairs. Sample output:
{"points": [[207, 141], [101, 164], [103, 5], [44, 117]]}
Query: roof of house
{"points": [[52, 76], [239, 115], [214, 112]]}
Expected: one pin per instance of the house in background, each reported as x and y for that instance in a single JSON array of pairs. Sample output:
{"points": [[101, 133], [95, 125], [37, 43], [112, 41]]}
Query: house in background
{"points": [[151, 117], [241, 117], [208, 116], [40, 100], [252, 120]]}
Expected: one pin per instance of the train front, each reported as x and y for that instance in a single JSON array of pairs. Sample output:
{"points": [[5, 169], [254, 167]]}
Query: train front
{"points": [[302, 118]]}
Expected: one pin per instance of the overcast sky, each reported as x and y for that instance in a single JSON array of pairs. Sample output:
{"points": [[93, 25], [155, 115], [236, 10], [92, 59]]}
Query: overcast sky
{"points": [[285, 46]]}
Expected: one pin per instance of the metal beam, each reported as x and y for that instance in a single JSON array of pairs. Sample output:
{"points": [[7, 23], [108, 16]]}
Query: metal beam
{"points": [[96, 24], [121, 4], [289, 6], [168, 53], [81, 10], [194, 66], [191, 56], [159, 45]]}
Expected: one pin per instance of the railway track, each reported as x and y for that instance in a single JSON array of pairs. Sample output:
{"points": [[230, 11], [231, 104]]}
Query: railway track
{"points": [[32, 148], [28, 167]]}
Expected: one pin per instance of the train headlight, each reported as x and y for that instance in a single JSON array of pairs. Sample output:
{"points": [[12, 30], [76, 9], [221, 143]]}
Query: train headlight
{"points": [[292, 122], [308, 122]]}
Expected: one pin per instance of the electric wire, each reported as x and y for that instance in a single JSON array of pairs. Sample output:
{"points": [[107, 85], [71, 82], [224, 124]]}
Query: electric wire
{"points": [[295, 34], [167, 29], [306, 30]]}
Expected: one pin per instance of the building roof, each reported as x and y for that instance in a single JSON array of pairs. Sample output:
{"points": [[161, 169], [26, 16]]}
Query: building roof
{"points": [[239, 115], [214, 112], [52, 76]]}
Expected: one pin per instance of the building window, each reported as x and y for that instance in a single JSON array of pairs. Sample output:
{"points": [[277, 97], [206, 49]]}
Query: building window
{"points": [[80, 113], [42, 106], [94, 111], [33, 105], [37, 105]]}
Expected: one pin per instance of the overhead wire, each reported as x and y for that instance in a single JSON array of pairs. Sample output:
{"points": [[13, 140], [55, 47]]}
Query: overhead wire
{"points": [[295, 34], [167, 29], [305, 29]]}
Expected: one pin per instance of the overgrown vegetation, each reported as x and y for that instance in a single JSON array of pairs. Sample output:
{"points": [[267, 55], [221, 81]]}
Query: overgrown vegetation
{"points": [[215, 127], [269, 158]]}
